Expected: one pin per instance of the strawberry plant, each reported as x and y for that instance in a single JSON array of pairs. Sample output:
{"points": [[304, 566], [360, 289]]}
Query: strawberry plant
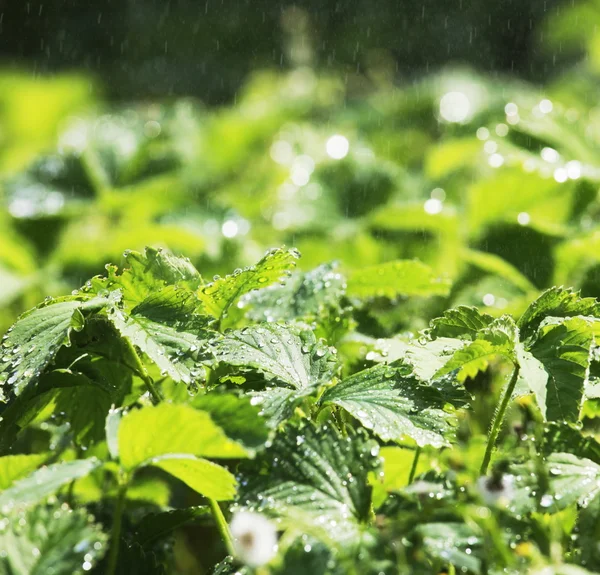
{"points": [[255, 412], [417, 393]]}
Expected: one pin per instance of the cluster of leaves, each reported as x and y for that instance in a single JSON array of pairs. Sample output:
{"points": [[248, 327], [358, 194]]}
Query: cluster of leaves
{"points": [[138, 403], [357, 397]]}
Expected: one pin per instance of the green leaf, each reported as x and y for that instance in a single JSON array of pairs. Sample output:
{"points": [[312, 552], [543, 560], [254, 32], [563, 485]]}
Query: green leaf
{"points": [[13, 467], [462, 322], [316, 481], [84, 406], [494, 264], [278, 403], [156, 526], [146, 274], [564, 569], [452, 543], [137, 560], [34, 340], [392, 279], [230, 566], [304, 296], [451, 155], [219, 295], [203, 476], [572, 480], [99, 354], [588, 529], [499, 338], [288, 355], [532, 377], [556, 302], [45, 481], [393, 406], [427, 357], [567, 438], [513, 191], [237, 416], [165, 327], [564, 351], [287, 352], [319, 561], [165, 429], [46, 540]]}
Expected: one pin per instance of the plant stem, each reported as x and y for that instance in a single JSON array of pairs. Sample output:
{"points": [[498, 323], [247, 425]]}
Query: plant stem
{"points": [[498, 419], [413, 468], [222, 526], [115, 536], [140, 369]]}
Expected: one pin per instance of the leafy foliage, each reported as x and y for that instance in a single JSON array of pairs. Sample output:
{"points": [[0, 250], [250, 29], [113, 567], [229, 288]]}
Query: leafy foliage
{"points": [[137, 373], [36, 338], [49, 539], [45, 481], [564, 351], [393, 406], [414, 394], [315, 480], [304, 296], [556, 302], [396, 278], [218, 296], [168, 437], [289, 355]]}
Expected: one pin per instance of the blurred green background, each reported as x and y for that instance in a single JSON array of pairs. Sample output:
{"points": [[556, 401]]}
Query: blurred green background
{"points": [[206, 48], [465, 135]]}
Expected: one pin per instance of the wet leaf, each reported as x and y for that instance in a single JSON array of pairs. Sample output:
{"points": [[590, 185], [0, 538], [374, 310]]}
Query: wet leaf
{"points": [[455, 543], [462, 322], [146, 274], [49, 539], [45, 481], [289, 355], [36, 337], [499, 338], [219, 295], [564, 351], [556, 302], [167, 329], [303, 296], [316, 481], [393, 406], [237, 416]]}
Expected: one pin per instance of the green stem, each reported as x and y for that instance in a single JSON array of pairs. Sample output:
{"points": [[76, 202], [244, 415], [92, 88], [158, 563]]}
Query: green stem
{"points": [[413, 469], [222, 526], [115, 536], [497, 421], [140, 369]]}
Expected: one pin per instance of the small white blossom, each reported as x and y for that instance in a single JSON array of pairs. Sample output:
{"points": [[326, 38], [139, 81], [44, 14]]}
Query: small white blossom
{"points": [[496, 491], [254, 538]]}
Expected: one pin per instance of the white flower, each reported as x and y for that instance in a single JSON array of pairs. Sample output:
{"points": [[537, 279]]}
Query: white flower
{"points": [[496, 491], [254, 538]]}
